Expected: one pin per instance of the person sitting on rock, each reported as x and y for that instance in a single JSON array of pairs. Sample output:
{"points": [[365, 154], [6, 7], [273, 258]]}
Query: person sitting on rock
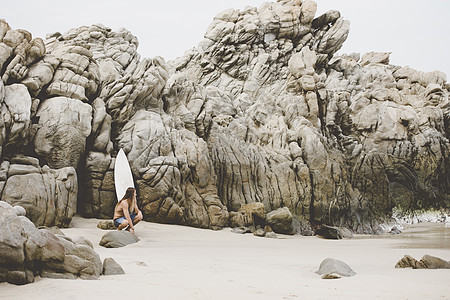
{"points": [[126, 212]]}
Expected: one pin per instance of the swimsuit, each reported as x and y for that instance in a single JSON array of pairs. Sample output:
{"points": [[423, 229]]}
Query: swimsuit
{"points": [[119, 221]]}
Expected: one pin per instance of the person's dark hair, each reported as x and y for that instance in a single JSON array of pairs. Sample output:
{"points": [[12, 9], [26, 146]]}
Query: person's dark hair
{"points": [[129, 194]]}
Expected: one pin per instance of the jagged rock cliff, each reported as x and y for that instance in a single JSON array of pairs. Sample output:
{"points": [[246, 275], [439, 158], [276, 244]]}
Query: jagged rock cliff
{"points": [[262, 110]]}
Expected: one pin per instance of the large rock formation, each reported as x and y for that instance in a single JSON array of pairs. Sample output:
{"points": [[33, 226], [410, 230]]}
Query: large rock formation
{"points": [[263, 110], [26, 252], [49, 196]]}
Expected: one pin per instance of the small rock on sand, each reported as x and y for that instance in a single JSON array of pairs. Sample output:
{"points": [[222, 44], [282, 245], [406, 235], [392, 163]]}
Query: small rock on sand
{"points": [[111, 267], [395, 230], [106, 225], [332, 268], [427, 262], [117, 239]]}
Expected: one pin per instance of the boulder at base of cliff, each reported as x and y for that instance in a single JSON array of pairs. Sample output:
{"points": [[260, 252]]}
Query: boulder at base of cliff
{"points": [[334, 233], [280, 220]]}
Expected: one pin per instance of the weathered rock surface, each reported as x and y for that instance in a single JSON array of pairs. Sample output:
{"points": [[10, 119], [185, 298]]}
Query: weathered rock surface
{"points": [[106, 225], [17, 52], [64, 125], [427, 262], [280, 220], [241, 230], [26, 252], [271, 235], [261, 111], [252, 214], [111, 267], [432, 262], [80, 261], [19, 210], [333, 232], [16, 107], [331, 268], [49, 196], [259, 232], [117, 239], [409, 262], [395, 230]]}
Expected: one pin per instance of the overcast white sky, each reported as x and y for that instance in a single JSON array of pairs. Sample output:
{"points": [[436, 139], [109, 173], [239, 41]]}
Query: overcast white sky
{"points": [[417, 32]]}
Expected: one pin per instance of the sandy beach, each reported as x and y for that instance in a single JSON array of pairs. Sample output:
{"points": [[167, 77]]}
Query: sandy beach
{"points": [[176, 262]]}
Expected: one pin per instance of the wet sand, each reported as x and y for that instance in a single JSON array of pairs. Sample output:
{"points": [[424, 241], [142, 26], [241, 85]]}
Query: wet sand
{"points": [[419, 236], [426, 235], [176, 262]]}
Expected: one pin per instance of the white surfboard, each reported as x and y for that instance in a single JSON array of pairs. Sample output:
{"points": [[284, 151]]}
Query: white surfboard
{"points": [[123, 178]]}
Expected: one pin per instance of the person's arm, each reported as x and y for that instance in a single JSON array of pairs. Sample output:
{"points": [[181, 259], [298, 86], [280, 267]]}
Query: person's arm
{"points": [[136, 209]]}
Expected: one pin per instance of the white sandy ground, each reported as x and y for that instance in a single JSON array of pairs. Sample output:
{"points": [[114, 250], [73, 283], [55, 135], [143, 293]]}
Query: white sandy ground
{"points": [[176, 262]]}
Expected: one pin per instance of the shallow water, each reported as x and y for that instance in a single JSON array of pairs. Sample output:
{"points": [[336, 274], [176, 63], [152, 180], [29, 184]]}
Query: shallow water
{"points": [[425, 235], [418, 236]]}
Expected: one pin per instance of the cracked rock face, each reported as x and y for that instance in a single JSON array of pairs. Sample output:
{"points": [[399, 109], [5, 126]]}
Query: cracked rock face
{"points": [[64, 125], [26, 252], [262, 110], [338, 140], [49, 196]]}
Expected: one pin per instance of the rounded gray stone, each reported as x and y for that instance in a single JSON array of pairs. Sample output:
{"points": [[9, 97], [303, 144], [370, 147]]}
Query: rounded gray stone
{"points": [[331, 266]]}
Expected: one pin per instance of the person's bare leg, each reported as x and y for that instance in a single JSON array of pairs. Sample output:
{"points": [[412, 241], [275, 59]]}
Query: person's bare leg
{"points": [[123, 225]]}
